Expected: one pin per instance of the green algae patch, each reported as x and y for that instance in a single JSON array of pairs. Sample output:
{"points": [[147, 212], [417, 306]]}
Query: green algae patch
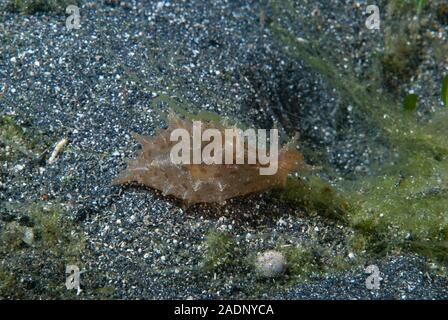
{"points": [[406, 206], [12, 235], [58, 234], [35, 255], [20, 140], [304, 261], [314, 196], [410, 102], [402, 204], [222, 251], [444, 94]]}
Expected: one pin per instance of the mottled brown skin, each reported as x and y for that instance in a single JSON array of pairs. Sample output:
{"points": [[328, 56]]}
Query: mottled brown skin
{"points": [[201, 183]]}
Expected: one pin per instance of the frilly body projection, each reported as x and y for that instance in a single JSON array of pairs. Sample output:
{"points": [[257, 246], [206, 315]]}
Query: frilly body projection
{"points": [[202, 183]]}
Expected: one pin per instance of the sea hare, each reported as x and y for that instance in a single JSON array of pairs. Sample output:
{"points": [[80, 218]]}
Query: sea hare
{"points": [[202, 183]]}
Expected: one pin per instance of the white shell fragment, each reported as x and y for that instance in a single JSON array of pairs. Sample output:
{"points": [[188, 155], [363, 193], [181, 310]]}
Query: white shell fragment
{"points": [[57, 149]]}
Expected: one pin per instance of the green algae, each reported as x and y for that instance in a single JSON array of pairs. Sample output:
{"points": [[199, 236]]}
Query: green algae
{"points": [[410, 102], [315, 196], [12, 235], [421, 5], [306, 260], [222, 251], [406, 205], [10, 286], [444, 94], [56, 242], [21, 140], [402, 206]]}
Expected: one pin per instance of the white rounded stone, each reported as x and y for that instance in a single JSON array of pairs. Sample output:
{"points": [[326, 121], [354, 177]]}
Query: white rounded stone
{"points": [[270, 264]]}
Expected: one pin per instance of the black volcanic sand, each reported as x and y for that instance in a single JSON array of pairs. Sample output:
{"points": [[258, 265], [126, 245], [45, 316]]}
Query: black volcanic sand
{"points": [[98, 84]]}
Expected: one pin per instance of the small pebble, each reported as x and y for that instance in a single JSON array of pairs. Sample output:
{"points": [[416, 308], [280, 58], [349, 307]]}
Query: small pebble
{"points": [[28, 236], [271, 264]]}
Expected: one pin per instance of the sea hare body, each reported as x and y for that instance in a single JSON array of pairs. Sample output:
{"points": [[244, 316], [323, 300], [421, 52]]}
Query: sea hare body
{"points": [[199, 183]]}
